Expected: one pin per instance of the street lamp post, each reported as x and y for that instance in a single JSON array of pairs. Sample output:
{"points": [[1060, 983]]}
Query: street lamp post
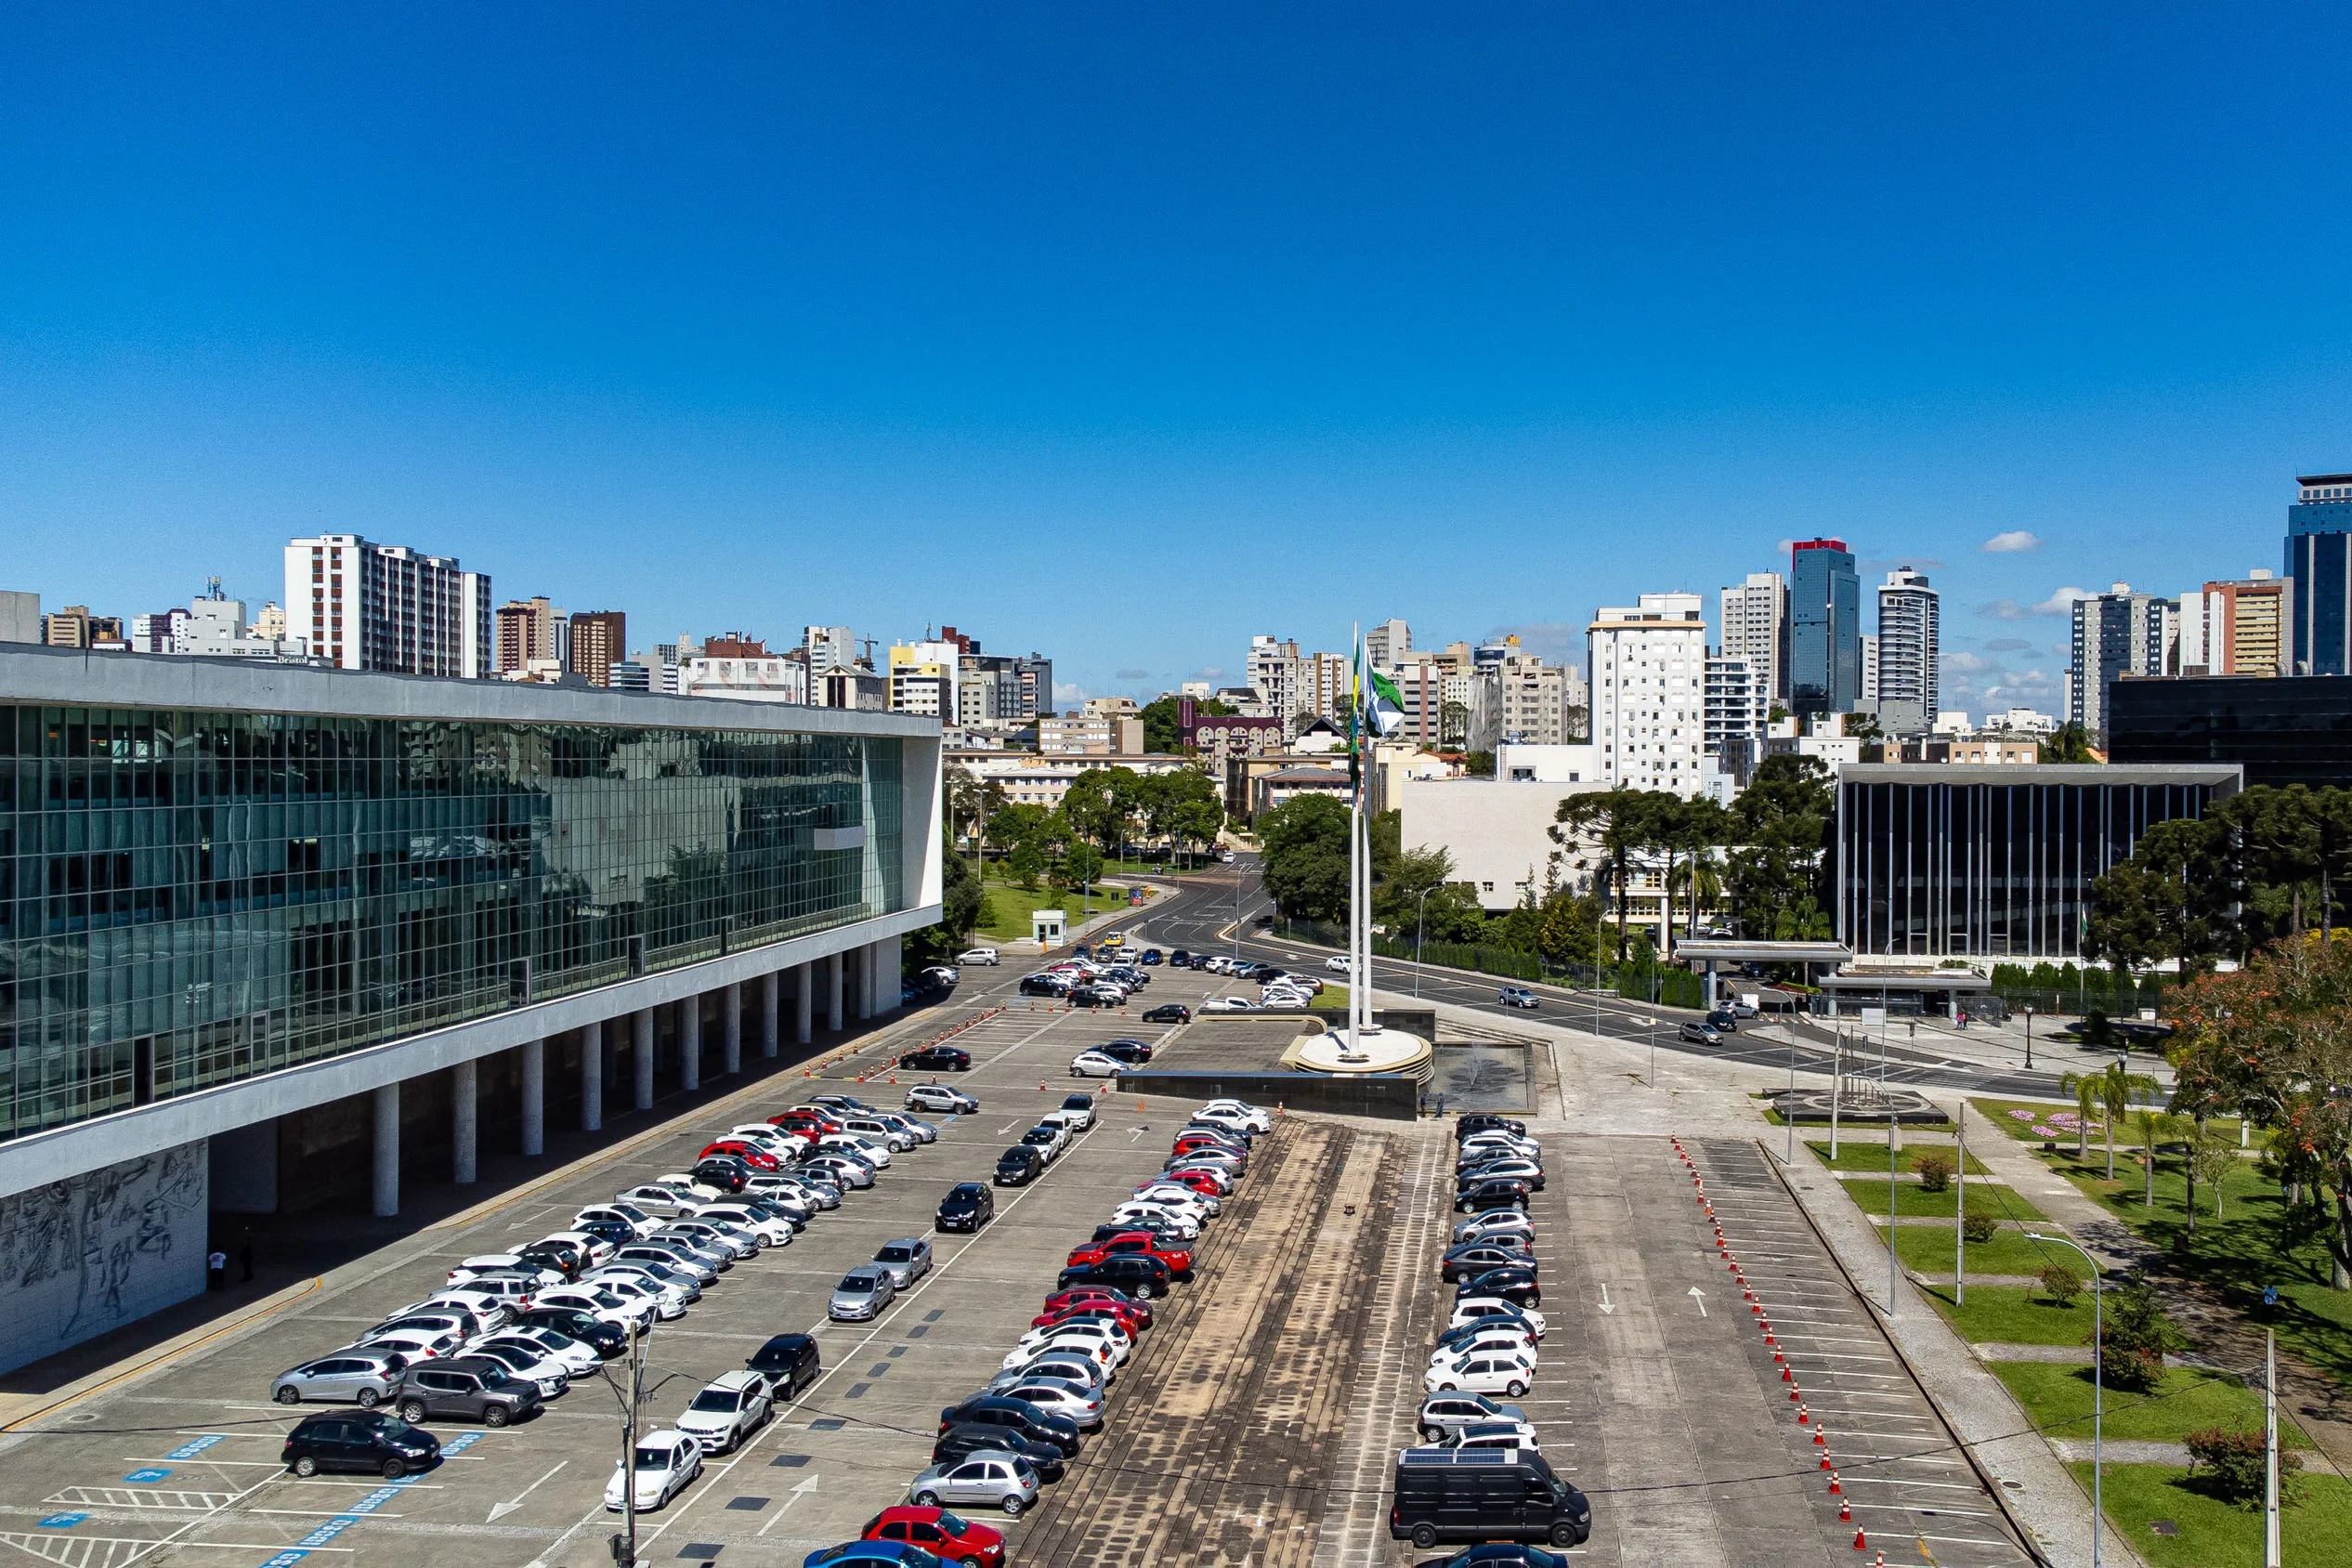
{"points": [[2029, 1037], [1420, 929], [2098, 1389]]}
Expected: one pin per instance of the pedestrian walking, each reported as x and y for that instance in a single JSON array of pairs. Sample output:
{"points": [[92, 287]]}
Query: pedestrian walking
{"points": [[245, 1258], [216, 1271]]}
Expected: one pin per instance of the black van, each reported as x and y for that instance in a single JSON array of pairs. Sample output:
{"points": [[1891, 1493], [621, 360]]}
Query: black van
{"points": [[1484, 1495], [1019, 1165], [790, 1362]]}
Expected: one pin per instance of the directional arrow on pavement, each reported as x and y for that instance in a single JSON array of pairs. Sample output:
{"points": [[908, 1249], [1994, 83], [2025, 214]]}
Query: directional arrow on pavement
{"points": [[1605, 1304], [1700, 1296], [500, 1511], [802, 1490]]}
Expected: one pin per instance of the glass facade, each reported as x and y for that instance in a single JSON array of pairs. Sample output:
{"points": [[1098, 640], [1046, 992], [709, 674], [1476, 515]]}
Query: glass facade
{"points": [[1975, 866], [2320, 568], [1825, 629], [2294, 731], [188, 899]]}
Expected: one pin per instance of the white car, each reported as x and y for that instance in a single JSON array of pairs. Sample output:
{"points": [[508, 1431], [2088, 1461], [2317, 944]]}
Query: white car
{"points": [[1055, 1149], [1095, 1349], [493, 1312], [594, 1249], [870, 1150], [1225, 1121], [575, 1356], [1077, 1113], [666, 1461], [731, 1409], [1184, 1227], [1491, 1373], [417, 1344], [1176, 1191], [1093, 1063], [665, 1301], [470, 1268], [1479, 1309], [1497, 1340], [695, 1189], [1256, 1118], [769, 1229], [664, 1198], [979, 955], [629, 1214], [1337, 963], [1074, 1334], [1229, 1004], [615, 1307], [775, 1140], [1503, 1143], [938, 1099], [526, 1361]]}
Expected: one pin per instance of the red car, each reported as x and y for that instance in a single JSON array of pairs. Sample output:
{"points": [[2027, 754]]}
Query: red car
{"points": [[1200, 1181], [1193, 1142], [757, 1159], [816, 1124], [1128, 1320], [1178, 1259], [942, 1534], [1098, 1295], [1218, 1177]]}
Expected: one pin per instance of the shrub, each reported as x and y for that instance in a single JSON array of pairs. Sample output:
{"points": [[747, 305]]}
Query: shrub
{"points": [[2233, 1463], [2134, 1336], [1935, 1168], [1980, 1228], [2060, 1284]]}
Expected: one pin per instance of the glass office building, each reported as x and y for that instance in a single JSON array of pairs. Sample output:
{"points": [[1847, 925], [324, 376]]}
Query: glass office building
{"points": [[2318, 532], [191, 895], [1824, 628], [1976, 862]]}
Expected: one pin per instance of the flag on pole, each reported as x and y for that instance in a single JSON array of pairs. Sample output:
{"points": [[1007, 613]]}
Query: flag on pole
{"points": [[1383, 704]]}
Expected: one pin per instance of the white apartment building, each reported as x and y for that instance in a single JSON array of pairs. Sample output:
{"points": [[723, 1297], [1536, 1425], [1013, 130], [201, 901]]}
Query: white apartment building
{"points": [[1649, 694], [1388, 643], [2117, 633], [384, 606], [1870, 671], [830, 647], [1272, 672], [1520, 697], [1738, 710], [923, 680], [1032, 779], [767, 677], [1905, 675], [1756, 629]]}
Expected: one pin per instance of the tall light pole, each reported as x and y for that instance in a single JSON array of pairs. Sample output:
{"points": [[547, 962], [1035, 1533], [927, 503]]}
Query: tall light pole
{"points": [[2098, 1387], [2029, 1037], [1420, 929]]}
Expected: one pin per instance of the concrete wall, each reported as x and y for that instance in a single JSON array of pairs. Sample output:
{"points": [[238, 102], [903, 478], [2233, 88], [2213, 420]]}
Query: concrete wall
{"points": [[1498, 834], [1397, 1098], [244, 1166], [92, 1253]]}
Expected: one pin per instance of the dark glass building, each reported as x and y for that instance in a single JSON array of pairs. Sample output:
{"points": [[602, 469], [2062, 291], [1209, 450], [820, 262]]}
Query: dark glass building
{"points": [[2318, 528], [1824, 628], [1994, 862], [2293, 731]]}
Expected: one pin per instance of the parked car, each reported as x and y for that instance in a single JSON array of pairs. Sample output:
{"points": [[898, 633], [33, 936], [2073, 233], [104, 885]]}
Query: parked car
{"points": [[1511, 1282], [1028, 1419], [1168, 1012], [608, 1339], [1510, 1166], [906, 1260], [790, 1364], [1495, 1223], [574, 1355], [374, 1441], [971, 1437], [365, 1378], [1490, 1372], [967, 1206], [937, 1059], [979, 955], [1486, 1121], [940, 1533], [525, 1360], [1496, 1192], [664, 1463], [863, 1293], [1479, 1256], [1253, 1118], [1494, 1308], [1095, 1064], [1128, 1052], [466, 1388], [1480, 1494], [1136, 1275], [1450, 1411], [991, 1478], [1019, 1165], [1699, 1034], [1048, 1139], [730, 1409], [939, 1100]]}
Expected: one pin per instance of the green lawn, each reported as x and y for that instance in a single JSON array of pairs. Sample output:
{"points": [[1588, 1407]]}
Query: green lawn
{"points": [[2002, 1114], [1852, 1156], [1009, 907], [2013, 1314], [1928, 1248], [2212, 1532], [2058, 1398], [1331, 999], [1912, 1198]]}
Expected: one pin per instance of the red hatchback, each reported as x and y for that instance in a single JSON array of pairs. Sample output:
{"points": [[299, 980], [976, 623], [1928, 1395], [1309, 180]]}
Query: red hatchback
{"points": [[1098, 1295], [757, 1159], [940, 1533], [1126, 1317], [1178, 1259], [1200, 1181], [813, 1123]]}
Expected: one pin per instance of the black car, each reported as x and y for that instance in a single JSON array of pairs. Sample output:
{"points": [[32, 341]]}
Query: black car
{"points": [[1044, 986], [967, 1206], [1134, 1052], [1514, 1283], [1019, 1165], [934, 1058], [375, 1442], [790, 1362], [1480, 1494], [1475, 1257], [564, 1257], [1496, 1192], [1723, 1021], [1487, 1121], [994, 1410], [1498, 1554], [608, 1339], [1131, 1272], [970, 1437], [1168, 1012], [1087, 996], [722, 1171], [1180, 959]]}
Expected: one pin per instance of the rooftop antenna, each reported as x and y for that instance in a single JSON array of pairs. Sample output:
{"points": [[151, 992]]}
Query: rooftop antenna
{"points": [[212, 588]]}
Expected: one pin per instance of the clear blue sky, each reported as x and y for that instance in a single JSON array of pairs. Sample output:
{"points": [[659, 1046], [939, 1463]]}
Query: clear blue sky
{"points": [[1123, 331]]}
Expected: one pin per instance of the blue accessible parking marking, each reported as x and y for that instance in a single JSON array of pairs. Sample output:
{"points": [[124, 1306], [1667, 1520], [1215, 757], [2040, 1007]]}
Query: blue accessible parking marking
{"points": [[284, 1559], [458, 1444], [189, 1450], [62, 1521], [145, 1475]]}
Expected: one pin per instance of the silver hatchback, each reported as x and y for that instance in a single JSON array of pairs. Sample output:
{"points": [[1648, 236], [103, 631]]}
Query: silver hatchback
{"points": [[907, 1259], [864, 1292], [987, 1478], [366, 1378]]}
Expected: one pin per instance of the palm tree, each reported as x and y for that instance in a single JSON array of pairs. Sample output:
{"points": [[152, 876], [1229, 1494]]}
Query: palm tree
{"points": [[2085, 1089], [2149, 1122], [2116, 1087]]}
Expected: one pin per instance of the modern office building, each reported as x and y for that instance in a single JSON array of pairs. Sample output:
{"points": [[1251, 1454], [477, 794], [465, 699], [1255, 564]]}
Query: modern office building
{"points": [[2117, 633], [1909, 660], [276, 934], [2319, 524], [1824, 628], [384, 606], [2279, 732], [1994, 862], [1756, 629], [1649, 694]]}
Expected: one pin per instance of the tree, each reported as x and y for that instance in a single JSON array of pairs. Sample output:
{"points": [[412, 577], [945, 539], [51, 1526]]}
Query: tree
{"points": [[1304, 865], [2084, 1088], [1160, 721], [1478, 764], [2149, 1124], [2116, 1086], [2216, 1158], [2071, 743], [2170, 900], [1620, 823], [963, 904], [1571, 930], [1780, 828], [1025, 864], [1098, 804], [2134, 1336], [1012, 826]]}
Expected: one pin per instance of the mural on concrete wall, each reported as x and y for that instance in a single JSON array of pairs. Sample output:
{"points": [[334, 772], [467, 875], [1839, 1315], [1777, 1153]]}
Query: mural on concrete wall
{"points": [[80, 1257]]}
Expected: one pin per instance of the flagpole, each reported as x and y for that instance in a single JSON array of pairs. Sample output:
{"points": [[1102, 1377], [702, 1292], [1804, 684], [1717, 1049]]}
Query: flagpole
{"points": [[1358, 1014]]}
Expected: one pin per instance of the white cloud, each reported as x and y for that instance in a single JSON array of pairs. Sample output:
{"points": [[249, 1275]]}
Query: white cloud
{"points": [[1960, 662], [2062, 602], [2002, 609], [2015, 542], [2007, 645], [1131, 674]]}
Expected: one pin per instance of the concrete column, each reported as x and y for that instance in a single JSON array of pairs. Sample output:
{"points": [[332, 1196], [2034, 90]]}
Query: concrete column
{"points": [[731, 1027], [865, 962], [591, 1078], [889, 972], [770, 984], [833, 991], [641, 1056], [466, 1079], [388, 1151], [804, 1003], [691, 1041], [534, 1097]]}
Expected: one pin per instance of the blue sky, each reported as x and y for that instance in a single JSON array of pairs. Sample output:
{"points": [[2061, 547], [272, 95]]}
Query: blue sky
{"points": [[1122, 333]]}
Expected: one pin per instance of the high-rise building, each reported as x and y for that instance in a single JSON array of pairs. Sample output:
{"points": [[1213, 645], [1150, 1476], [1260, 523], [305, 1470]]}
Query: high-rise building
{"points": [[74, 626], [1824, 628], [1036, 672], [1388, 643], [2240, 627], [2118, 633], [1756, 629], [1326, 685], [830, 647], [1520, 697], [1869, 671], [2319, 564], [528, 635], [384, 606], [1908, 672], [1649, 693], [1274, 671], [1738, 713], [599, 640]]}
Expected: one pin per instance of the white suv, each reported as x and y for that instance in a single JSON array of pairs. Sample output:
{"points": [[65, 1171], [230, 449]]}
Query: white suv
{"points": [[979, 955], [1337, 964]]}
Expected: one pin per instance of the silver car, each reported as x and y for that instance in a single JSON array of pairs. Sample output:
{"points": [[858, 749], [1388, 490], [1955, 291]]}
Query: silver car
{"points": [[740, 1241], [1442, 1413], [677, 1252], [863, 1293], [1058, 1396], [920, 1131], [364, 1377], [907, 1259], [987, 1478]]}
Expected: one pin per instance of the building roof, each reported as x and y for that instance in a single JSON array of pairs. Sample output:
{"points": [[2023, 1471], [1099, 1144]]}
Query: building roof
{"points": [[2228, 776], [1304, 776]]}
